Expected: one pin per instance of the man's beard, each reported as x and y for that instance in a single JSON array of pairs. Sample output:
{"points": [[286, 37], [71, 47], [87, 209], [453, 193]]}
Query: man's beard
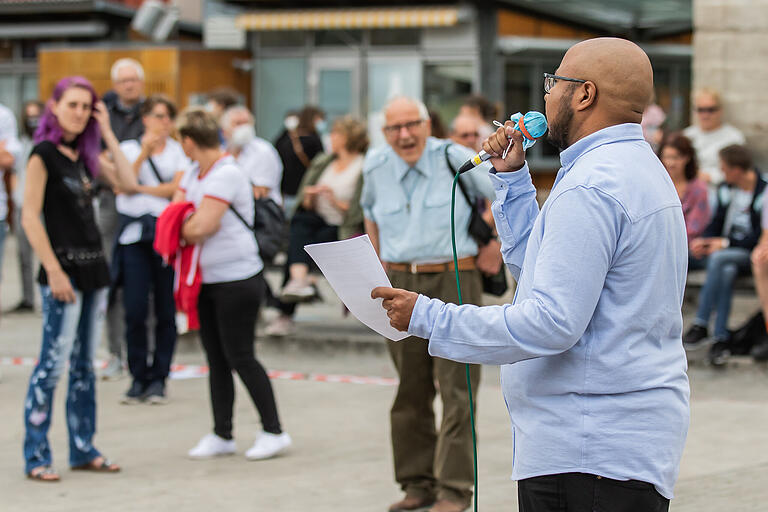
{"points": [[559, 129]]}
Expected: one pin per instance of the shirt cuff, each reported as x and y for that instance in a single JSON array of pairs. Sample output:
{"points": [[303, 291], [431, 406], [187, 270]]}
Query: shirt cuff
{"points": [[507, 180], [423, 316]]}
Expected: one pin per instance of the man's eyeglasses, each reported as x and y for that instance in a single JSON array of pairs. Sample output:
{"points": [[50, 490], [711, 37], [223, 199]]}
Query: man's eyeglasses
{"points": [[707, 110], [550, 80], [394, 129]]}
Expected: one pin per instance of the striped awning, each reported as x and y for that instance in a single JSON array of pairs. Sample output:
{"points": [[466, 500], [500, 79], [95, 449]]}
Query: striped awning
{"points": [[319, 19]]}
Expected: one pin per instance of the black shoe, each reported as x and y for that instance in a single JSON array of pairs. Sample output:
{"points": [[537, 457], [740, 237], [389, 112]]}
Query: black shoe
{"points": [[134, 395], [719, 353], [760, 351], [155, 393], [23, 307], [695, 337]]}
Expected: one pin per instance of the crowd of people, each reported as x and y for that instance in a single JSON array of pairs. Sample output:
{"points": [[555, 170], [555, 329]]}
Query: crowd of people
{"points": [[136, 211]]}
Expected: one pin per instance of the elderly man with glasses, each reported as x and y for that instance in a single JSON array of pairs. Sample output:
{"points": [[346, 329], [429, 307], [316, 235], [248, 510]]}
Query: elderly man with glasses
{"points": [[709, 135], [406, 201]]}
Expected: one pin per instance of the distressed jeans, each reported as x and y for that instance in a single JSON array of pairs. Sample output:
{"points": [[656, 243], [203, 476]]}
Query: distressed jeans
{"points": [[71, 333]]}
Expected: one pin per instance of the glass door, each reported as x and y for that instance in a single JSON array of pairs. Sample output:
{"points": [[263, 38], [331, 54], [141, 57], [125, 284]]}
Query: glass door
{"points": [[334, 85]]}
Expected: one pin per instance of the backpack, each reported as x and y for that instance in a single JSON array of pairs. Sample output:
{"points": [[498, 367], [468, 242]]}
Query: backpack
{"points": [[268, 227]]}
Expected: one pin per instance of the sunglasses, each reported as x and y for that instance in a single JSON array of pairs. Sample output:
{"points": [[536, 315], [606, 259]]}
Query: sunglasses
{"points": [[707, 110]]}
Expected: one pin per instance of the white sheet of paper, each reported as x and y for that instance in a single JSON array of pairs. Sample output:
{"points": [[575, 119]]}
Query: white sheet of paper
{"points": [[353, 269]]}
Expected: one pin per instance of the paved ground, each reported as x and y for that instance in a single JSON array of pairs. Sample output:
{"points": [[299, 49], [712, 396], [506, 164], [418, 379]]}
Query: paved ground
{"points": [[341, 460]]}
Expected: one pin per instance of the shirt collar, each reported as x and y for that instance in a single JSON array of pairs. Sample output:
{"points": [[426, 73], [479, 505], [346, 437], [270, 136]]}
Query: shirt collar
{"points": [[615, 133], [422, 166]]}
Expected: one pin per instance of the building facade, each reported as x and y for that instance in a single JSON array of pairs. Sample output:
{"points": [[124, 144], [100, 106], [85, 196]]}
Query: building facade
{"points": [[351, 59]]}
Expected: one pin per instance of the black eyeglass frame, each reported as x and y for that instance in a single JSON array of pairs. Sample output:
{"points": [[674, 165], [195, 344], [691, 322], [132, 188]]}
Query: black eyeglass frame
{"points": [[549, 77]]}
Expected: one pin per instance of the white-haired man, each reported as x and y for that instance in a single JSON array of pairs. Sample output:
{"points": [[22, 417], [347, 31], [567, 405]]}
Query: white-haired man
{"points": [[128, 83], [406, 198], [125, 116], [257, 157]]}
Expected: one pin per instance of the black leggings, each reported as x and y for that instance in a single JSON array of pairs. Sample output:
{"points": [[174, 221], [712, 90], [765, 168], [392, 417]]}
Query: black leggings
{"points": [[228, 313]]}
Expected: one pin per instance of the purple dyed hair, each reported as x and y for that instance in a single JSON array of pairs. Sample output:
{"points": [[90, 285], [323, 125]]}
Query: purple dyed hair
{"points": [[89, 141]]}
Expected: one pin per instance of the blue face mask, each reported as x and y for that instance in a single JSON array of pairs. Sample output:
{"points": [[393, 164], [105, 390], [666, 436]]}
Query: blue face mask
{"points": [[321, 126]]}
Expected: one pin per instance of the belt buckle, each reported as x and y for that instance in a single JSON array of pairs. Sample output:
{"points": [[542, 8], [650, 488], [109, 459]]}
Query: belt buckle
{"points": [[414, 268]]}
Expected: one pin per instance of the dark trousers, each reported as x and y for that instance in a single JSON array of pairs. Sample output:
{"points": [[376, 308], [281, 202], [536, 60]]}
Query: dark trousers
{"points": [[228, 313], [308, 228], [430, 461], [580, 492], [143, 273]]}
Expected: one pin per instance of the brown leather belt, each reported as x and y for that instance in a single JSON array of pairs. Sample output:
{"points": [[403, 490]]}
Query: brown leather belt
{"points": [[467, 263]]}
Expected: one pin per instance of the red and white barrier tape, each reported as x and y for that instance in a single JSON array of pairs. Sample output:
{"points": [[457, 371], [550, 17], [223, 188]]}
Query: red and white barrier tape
{"points": [[190, 371]]}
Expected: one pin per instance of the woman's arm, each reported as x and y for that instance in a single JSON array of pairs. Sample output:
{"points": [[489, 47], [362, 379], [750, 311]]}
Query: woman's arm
{"points": [[34, 194], [205, 221], [121, 176], [164, 190], [329, 194]]}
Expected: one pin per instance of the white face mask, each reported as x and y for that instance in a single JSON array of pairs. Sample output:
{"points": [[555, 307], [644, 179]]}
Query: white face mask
{"points": [[291, 123], [242, 135]]}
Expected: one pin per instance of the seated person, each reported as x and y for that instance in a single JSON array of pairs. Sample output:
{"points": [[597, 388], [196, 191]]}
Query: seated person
{"points": [[724, 247], [328, 208], [679, 158]]}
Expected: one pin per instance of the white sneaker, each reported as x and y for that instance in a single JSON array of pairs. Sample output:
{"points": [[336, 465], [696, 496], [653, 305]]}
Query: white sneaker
{"points": [[297, 291], [281, 326], [268, 445], [113, 370], [212, 445]]}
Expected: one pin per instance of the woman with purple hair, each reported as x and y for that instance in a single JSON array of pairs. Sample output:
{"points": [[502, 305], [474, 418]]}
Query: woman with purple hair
{"points": [[73, 274]]}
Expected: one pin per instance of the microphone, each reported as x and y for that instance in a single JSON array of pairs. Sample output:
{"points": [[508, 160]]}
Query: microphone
{"points": [[533, 126]]}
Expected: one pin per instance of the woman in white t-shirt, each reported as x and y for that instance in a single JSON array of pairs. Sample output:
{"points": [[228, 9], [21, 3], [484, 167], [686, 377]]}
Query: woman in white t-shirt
{"points": [[159, 163], [232, 289]]}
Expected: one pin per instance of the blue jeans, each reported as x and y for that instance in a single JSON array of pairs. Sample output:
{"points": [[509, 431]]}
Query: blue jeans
{"points": [[722, 268], [71, 332], [143, 271]]}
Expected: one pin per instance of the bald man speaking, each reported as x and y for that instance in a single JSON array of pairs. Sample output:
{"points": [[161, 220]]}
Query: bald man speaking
{"points": [[594, 372]]}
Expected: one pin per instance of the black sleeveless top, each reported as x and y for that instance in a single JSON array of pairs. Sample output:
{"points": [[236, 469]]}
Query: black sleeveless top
{"points": [[70, 220]]}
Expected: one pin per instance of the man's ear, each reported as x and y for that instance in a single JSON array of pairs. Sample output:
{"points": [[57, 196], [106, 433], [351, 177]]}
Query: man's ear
{"points": [[585, 96]]}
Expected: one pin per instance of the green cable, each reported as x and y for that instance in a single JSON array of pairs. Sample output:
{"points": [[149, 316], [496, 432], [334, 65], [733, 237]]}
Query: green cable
{"points": [[458, 288]]}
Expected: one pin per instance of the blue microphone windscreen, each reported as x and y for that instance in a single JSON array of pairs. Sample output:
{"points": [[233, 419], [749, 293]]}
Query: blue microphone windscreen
{"points": [[535, 123]]}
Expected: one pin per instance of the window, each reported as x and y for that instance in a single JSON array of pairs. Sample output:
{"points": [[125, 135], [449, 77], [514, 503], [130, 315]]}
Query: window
{"points": [[282, 87], [446, 84]]}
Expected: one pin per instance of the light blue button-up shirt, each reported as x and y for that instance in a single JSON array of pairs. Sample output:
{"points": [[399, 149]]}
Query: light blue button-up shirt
{"points": [[412, 205], [594, 372]]}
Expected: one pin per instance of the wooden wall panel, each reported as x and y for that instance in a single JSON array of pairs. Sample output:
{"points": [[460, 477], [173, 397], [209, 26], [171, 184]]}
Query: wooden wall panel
{"points": [[202, 71], [515, 24], [161, 65]]}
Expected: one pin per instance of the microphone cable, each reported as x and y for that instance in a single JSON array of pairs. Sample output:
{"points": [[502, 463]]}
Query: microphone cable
{"points": [[458, 289]]}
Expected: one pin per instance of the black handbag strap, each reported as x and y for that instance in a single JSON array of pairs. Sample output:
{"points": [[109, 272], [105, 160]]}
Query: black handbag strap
{"points": [[453, 174], [251, 228], [154, 170]]}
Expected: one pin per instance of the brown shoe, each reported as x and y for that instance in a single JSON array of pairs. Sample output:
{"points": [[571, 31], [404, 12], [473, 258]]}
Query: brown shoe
{"points": [[411, 503], [448, 506]]}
